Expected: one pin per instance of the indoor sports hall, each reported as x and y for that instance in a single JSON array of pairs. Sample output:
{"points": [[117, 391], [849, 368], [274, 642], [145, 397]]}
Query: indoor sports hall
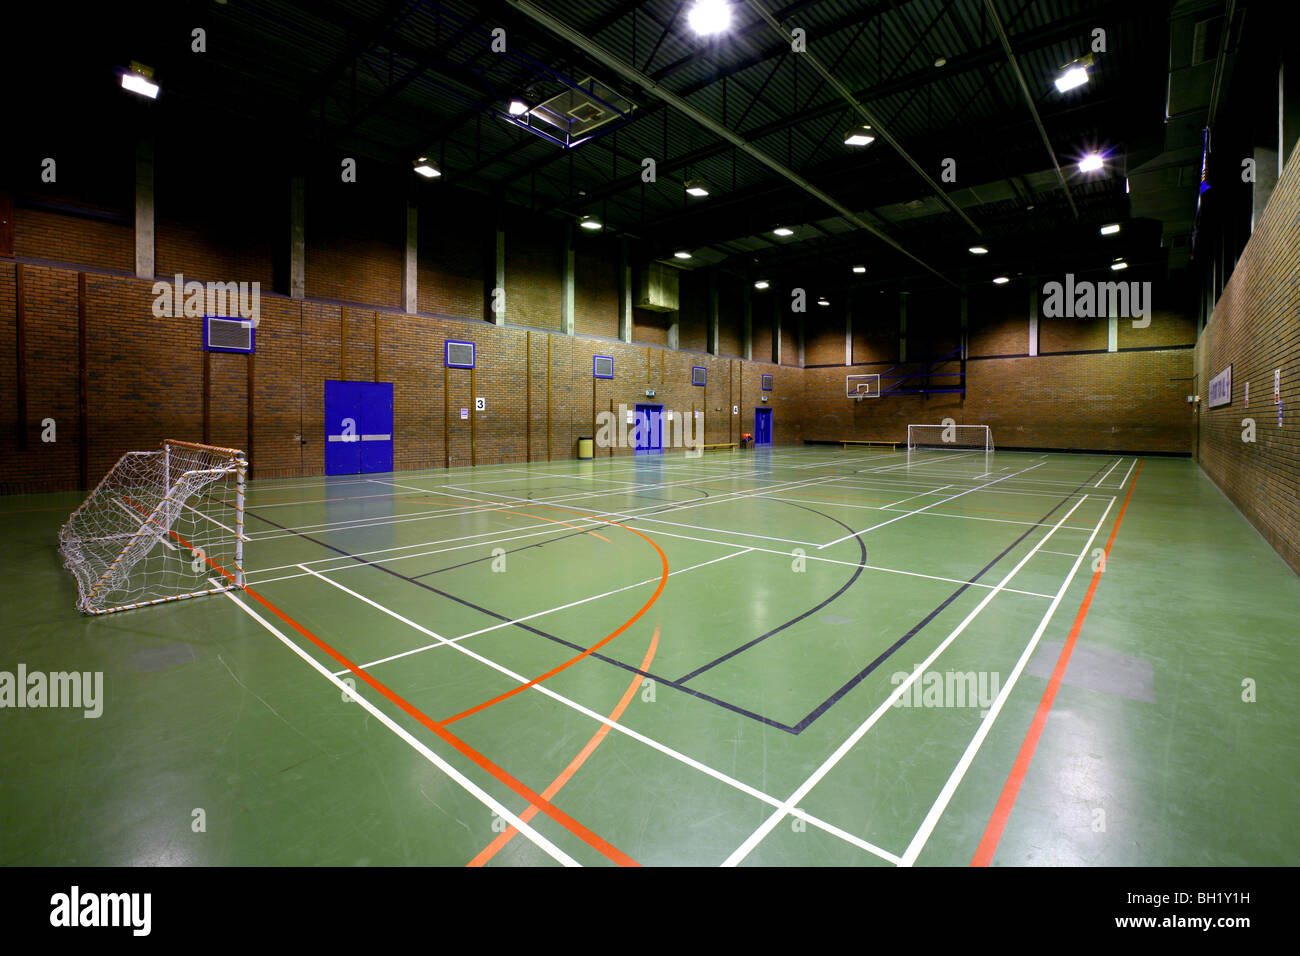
{"points": [[641, 432]]}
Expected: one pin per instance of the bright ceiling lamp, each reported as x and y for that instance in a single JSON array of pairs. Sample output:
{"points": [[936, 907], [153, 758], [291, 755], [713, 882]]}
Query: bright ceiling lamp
{"points": [[697, 187], [823, 301], [1001, 280], [1119, 266], [1073, 76], [681, 254], [426, 169], [517, 107], [978, 250], [139, 79], [761, 284], [590, 222], [1090, 163], [859, 136], [859, 269], [709, 16], [1110, 229], [782, 231]]}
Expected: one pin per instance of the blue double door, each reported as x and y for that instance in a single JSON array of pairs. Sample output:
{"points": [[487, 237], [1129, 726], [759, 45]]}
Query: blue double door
{"points": [[648, 430], [358, 427]]}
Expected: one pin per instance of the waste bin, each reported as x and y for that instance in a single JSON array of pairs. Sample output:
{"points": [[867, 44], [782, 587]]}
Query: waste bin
{"points": [[586, 448]]}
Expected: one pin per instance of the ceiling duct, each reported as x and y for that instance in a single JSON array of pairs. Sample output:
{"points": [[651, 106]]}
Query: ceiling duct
{"points": [[657, 288]]}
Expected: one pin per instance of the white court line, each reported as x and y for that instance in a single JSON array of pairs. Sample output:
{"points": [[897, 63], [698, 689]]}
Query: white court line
{"points": [[527, 617], [1108, 471], [954, 779], [851, 741], [918, 511], [468, 785], [1127, 473], [574, 705], [913, 497]]}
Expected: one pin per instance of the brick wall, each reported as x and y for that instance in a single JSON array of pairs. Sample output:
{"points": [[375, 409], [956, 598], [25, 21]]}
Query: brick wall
{"points": [[1255, 328]]}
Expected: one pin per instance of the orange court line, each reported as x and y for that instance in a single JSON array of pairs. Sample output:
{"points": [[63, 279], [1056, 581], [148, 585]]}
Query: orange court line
{"points": [[593, 840], [549, 793], [1002, 811]]}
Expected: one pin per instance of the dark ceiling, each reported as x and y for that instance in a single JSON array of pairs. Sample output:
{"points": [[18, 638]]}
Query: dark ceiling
{"points": [[389, 80]]}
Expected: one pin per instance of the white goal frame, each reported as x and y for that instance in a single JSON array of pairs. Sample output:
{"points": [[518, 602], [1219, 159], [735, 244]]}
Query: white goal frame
{"points": [[159, 527], [962, 438]]}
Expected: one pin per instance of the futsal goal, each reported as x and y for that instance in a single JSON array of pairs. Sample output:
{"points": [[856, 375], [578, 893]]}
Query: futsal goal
{"points": [[161, 526], [949, 437]]}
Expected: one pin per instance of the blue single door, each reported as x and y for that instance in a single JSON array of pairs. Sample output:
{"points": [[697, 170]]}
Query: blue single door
{"points": [[762, 426], [358, 427], [647, 435]]}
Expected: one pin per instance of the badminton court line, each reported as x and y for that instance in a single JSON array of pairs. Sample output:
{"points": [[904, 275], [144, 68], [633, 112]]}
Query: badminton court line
{"points": [[852, 740], [928, 507], [1108, 471], [612, 724], [464, 782], [940, 804]]}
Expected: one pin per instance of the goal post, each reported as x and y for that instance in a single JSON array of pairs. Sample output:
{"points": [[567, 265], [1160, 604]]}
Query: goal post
{"points": [[161, 526], [949, 437]]}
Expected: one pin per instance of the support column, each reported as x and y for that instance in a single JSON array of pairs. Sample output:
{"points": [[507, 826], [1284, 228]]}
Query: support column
{"points": [[410, 260], [902, 327], [566, 283], [297, 237], [776, 336], [747, 307], [1033, 321], [712, 340], [800, 323], [145, 264], [848, 333], [674, 330], [624, 293], [7, 226], [497, 299], [1288, 110]]}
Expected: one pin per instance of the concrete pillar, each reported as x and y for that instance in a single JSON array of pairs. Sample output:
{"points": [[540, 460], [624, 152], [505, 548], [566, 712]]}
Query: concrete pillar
{"points": [[712, 338], [624, 293], [498, 296], [1288, 110], [747, 307], [674, 327], [965, 325], [297, 237], [848, 333], [1033, 321], [566, 283], [145, 264], [799, 328], [410, 260], [776, 336]]}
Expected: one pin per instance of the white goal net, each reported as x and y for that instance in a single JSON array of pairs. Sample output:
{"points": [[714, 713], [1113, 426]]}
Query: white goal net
{"points": [[949, 437], [161, 526]]}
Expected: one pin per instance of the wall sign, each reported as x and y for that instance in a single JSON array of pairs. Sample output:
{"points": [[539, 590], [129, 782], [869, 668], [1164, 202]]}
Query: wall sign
{"points": [[1221, 388], [464, 413], [480, 404]]}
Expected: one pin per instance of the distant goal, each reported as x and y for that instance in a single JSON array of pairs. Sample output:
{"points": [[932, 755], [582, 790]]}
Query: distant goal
{"points": [[161, 526], [922, 439]]}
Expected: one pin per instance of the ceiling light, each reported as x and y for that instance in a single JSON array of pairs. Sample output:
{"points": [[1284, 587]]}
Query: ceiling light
{"points": [[139, 79], [426, 169], [681, 254], [782, 231], [518, 107], [1090, 163], [1074, 75], [978, 250], [697, 187], [940, 61], [1001, 280], [589, 222], [1119, 266], [859, 136], [823, 301], [859, 269], [709, 16], [761, 284], [1110, 229]]}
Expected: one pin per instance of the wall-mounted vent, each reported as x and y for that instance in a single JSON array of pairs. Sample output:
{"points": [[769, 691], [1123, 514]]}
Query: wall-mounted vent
{"points": [[602, 366], [460, 354], [767, 383], [699, 375], [658, 288], [227, 335]]}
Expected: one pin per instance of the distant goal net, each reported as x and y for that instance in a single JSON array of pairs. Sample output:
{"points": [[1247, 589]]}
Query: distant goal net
{"points": [[922, 439], [161, 526]]}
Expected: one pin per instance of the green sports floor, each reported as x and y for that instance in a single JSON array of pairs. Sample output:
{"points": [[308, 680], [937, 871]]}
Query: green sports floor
{"points": [[786, 657]]}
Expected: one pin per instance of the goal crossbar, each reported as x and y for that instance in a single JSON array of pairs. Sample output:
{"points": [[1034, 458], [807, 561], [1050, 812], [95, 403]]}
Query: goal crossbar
{"points": [[949, 437]]}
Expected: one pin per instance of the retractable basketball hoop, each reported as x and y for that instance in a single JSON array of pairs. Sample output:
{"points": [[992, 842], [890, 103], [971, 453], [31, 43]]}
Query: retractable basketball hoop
{"points": [[860, 387]]}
